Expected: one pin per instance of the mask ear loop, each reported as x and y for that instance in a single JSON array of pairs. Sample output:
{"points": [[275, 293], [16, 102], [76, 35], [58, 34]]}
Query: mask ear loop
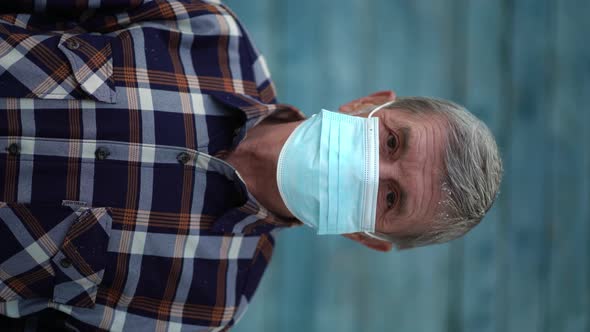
{"points": [[378, 236], [372, 234], [380, 107]]}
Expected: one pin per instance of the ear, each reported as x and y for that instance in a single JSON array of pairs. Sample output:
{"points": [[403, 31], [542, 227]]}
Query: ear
{"points": [[370, 242], [376, 98]]}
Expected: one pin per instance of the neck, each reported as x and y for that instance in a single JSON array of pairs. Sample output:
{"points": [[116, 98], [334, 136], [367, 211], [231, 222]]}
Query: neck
{"points": [[256, 159]]}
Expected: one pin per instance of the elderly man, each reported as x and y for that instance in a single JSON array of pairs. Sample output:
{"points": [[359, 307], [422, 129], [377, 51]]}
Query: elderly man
{"points": [[439, 170], [146, 164]]}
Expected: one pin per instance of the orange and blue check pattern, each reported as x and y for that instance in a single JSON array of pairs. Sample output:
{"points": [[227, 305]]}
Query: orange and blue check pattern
{"points": [[116, 207]]}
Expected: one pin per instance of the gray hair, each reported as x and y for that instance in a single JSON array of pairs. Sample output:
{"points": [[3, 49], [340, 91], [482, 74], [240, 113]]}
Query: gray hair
{"points": [[472, 175]]}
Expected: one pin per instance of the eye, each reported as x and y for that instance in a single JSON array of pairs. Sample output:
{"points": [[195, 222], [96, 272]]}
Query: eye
{"points": [[392, 142], [391, 199]]}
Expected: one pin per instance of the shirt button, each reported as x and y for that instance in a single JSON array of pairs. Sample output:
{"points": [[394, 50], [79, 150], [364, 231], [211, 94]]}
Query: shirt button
{"points": [[13, 149], [65, 263], [72, 44], [183, 157], [102, 153]]}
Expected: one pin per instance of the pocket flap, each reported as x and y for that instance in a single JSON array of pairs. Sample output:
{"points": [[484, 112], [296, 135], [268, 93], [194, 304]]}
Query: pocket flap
{"points": [[91, 62], [53, 251], [81, 261], [55, 66]]}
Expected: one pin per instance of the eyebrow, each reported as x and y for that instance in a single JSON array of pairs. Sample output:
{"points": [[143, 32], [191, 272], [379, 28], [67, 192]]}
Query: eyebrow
{"points": [[403, 196], [405, 131]]}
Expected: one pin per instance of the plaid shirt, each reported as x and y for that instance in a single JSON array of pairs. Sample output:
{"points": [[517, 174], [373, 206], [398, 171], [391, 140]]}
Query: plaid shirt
{"points": [[115, 205]]}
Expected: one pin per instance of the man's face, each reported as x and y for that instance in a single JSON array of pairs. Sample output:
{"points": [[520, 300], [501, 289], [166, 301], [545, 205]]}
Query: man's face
{"points": [[411, 152]]}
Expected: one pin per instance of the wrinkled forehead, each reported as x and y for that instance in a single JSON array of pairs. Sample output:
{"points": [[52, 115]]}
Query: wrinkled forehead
{"points": [[422, 168]]}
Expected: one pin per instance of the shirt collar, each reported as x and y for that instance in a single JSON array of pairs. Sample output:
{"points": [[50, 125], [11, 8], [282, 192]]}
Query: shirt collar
{"points": [[251, 217], [248, 217]]}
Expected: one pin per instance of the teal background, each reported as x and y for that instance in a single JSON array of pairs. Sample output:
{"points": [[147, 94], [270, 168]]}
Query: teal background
{"points": [[523, 67]]}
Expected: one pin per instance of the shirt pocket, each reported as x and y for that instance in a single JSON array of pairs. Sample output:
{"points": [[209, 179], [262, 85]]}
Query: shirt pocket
{"points": [[52, 65], [53, 251]]}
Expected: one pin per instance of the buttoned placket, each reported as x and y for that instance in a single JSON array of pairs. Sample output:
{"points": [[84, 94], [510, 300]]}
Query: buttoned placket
{"points": [[103, 153]]}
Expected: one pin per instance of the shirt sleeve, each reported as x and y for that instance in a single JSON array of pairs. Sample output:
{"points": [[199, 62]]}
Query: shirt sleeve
{"points": [[66, 6]]}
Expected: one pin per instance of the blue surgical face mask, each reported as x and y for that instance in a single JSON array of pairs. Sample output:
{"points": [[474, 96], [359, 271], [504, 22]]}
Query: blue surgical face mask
{"points": [[328, 172]]}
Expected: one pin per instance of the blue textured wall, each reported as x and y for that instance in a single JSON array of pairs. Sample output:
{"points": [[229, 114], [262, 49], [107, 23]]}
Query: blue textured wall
{"points": [[521, 66]]}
